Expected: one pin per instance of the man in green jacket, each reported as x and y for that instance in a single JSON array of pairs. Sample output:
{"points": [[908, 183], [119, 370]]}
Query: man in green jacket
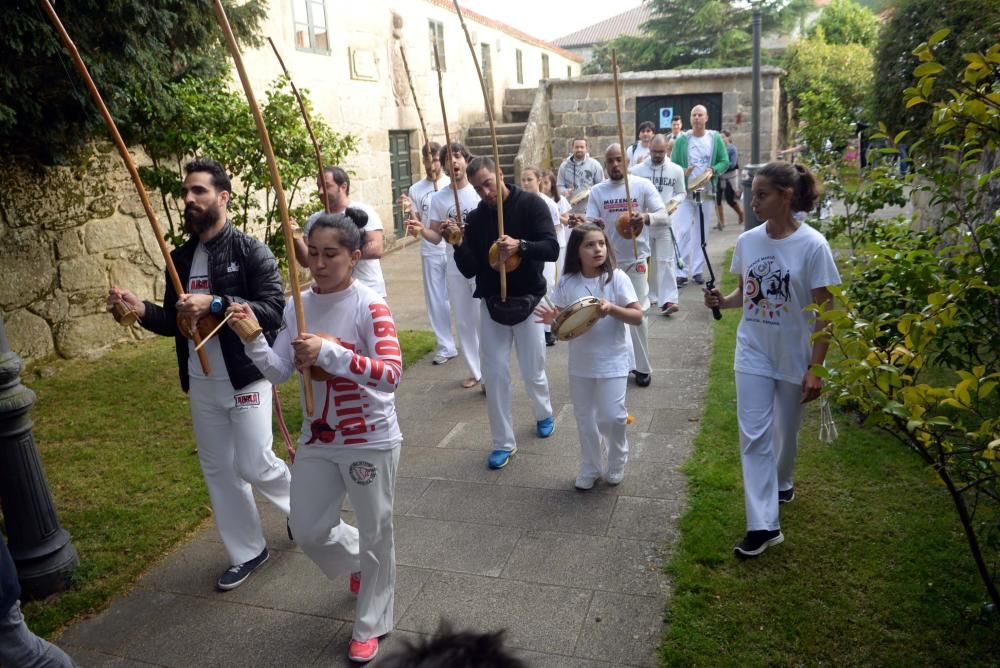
{"points": [[698, 150]]}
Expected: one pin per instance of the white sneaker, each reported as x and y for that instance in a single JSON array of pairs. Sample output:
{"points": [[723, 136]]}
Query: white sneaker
{"points": [[440, 359], [616, 477], [583, 483]]}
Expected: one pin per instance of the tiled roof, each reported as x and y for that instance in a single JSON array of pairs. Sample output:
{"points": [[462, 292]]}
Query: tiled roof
{"points": [[626, 23], [510, 30]]}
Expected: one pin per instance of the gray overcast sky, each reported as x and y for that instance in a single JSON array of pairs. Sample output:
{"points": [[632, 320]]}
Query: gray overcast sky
{"points": [[548, 19]]}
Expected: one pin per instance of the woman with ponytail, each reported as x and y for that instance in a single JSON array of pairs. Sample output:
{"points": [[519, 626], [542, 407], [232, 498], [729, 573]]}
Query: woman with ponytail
{"points": [[784, 265]]}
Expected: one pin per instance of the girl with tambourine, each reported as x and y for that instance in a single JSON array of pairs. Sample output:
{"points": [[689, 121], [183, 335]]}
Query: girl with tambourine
{"points": [[599, 359], [350, 444], [784, 266]]}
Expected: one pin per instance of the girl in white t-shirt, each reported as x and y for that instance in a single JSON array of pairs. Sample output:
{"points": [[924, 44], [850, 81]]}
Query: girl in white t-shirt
{"points": [[784, 266], [350, 443], [600, 360], [531, 181]]}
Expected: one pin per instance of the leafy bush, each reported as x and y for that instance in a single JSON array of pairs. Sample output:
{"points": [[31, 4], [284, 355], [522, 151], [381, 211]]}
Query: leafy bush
{"points": [[919, 319]]}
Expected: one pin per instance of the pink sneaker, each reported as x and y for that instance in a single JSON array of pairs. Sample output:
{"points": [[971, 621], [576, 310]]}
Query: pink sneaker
{"points": [[362, 651], [356, 584]]}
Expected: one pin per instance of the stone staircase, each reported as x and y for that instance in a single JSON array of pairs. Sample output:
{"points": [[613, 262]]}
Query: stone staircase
{"points": [[509, 135]]}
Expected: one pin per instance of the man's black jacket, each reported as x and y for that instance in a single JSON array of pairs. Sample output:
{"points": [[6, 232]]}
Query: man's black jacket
{"points": [[240, 269], [525, 216]]}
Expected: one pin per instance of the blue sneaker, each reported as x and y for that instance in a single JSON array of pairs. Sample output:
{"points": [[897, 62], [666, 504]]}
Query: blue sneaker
{"points": [[499, 458], [546, 427]]}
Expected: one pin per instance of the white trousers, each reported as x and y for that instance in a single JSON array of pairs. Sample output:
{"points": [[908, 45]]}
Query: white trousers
{"points": [[19, 647], [321, 476], [466, 309], [640, 334], [435, 270], [528, 338], [687, 227], [599, 407], [662, 283], [233, 432], [769, 413], [552, 272]]}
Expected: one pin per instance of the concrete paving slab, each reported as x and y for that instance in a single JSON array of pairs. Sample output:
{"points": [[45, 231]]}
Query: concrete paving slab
{"points": [[445, 464], [591, 562], [536, 617], [622, 629], [334, 655], [86, 658], [499, 505], [460, 547], [653, 520]]}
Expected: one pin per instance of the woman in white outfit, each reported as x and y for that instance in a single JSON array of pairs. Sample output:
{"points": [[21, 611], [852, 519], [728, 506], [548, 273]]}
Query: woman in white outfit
{"points": [[531, 181], [784, 266], [350, 443]]}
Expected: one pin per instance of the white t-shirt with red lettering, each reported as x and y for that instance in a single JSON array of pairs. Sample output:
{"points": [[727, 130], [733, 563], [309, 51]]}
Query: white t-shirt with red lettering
{"points": [[199, 284], [607, 202], [356, 406]]}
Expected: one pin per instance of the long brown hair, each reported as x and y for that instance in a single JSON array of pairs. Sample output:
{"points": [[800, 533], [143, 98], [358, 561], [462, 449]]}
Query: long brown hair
{"points": [[554, 190], [572, 265], [797, 178]]}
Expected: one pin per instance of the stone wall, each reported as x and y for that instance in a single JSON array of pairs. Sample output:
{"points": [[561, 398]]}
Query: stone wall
{"points": [[66, 235], [535, 149], [587, 104]]}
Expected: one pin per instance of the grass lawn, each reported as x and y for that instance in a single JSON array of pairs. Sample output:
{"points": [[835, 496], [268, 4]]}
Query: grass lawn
{"points": [[116, 442], [874, 570]]}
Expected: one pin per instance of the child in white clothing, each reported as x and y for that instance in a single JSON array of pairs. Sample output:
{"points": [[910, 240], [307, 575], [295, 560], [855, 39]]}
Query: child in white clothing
{"points": [[784, 266], [600, 359], [350, 443]]}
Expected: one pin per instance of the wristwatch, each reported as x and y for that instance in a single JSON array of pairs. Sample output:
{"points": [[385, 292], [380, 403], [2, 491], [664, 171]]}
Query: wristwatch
{"points": [[522, 246], [216, 305]]}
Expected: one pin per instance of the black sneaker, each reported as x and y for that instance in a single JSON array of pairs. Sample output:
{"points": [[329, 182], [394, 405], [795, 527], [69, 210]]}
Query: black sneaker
{"points": [[756, 542], [786, 496], [550, 339], [642, 379], [235, 576], [681, 281], [698, 279]]}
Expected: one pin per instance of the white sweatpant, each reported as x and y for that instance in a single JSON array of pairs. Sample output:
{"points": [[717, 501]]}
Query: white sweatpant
{"points": [[769, 413], [465, 307], [233, 432], [321, 476], [552, 272], [662, 283], [640, 335], [435, 270], [687, 227], [599, 407], [528, 338]]}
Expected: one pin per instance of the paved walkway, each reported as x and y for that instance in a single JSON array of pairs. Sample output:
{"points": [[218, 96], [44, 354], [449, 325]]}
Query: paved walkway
{"points": [[575, 578]]}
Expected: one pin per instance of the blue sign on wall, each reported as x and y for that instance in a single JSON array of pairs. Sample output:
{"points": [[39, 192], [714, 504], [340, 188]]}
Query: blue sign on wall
{"points": [[666, 115]]}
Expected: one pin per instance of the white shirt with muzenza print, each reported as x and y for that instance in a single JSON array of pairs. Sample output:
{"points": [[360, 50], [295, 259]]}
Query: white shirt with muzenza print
{"points": [[778, 277]]}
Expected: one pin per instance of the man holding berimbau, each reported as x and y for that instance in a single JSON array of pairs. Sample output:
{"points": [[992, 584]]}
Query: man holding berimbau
{"points": [[529, 234], [231, 403], [606, 205]]}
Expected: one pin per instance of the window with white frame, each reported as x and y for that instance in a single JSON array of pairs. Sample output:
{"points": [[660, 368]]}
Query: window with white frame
{"points": [[437, 38], [310, 25]]}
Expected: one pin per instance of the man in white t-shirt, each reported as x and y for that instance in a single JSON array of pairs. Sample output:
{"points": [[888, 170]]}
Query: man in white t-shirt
{"points": [[433, 256], [697, 151], [668, 179], [607, 202], [460, 289], [639, 151], [368, 270]]}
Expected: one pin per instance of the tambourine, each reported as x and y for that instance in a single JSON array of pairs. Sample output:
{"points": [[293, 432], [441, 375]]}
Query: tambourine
{"points": [[624, 225], [578, 197], [512, 262], [703, 178], [576, 319]]}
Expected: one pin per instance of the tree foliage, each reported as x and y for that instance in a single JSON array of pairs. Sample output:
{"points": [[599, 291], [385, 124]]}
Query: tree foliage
{"points": [[134, 51], [697, 33], [974, 25], [819, 66], [209, 118], [847, 22], [920, 310]]}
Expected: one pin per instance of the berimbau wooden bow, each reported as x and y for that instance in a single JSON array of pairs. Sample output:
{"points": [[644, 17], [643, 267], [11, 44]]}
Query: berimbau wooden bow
{"points": [[416, 104], [175, 280], [272, 163], [447, 138], [621, 144], [496, 150], [305, 118]]}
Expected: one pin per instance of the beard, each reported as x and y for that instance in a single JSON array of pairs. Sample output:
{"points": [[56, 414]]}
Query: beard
{"points": [[196, 222]]}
